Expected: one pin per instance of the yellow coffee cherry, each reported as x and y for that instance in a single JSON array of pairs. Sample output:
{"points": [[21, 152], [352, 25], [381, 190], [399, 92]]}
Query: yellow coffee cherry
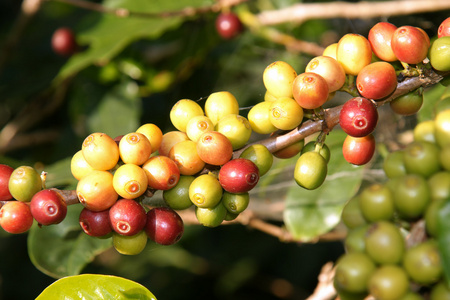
{"points": [[100, 151], [278, 78], [236, 128], [258, 116], [197, 126], [134, 148], [220, 104], [79, 166], [153, 134], [285, 113], [130, 181], [183, 111]]}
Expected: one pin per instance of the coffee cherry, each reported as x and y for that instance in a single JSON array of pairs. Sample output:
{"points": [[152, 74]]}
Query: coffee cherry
{"points": [[407, 104], [354, 53], [5, 174], [169, 140], [358, 150], [444, 157], [290, 151], [259, 119], [130, 181], [197, 126], [15, 217], [211, 216], [389, 282], [410, 45], [380, 36], [444, 28], [228, 25], [352, 216], [355, 239], [24, 182], [214, 148], [162, 172], [236, 128], [127, 217], [285, 113], [220, 104], [353, 271], [134, 148], [164, 226], [393, 165], [185, 155], [425, 132], [385, 243], [63, 42], [442, 128], [439, 184], [260, 156], [96, 191], [310, 170], [235, 203], [100, 151], [324, 150], [431, 217], [377, 203], [439, 53], [178, 197], [310, 90], [95, 223], [278, 78], [48, 207], [79, 167], [205, 191], [423, 264], [330, 69], [239, 175], [411, 196], [440, 291], [331, 51], [358, 117], [183, 111], [422, 158], [130, 245], [153, 134], [376, 80]]}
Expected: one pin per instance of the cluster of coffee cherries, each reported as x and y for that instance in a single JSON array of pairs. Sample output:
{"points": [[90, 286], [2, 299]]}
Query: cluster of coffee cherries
{"points": [[391, 246], [23, 200]]}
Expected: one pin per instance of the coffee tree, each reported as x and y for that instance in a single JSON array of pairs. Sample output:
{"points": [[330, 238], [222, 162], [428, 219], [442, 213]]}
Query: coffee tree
{"points": [[141, 133]]}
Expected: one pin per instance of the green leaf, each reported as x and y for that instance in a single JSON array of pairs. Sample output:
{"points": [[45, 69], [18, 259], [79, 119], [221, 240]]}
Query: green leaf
{"points": [[110, 34], [444, 237], [310, 213], [64, 249], [430, 98], [92, 286]]}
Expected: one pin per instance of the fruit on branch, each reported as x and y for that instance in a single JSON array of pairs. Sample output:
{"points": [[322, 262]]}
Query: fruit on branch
{"points": [[323, 149], [412, 196], [236, 128], [220, 104], [385, 243], [290, 151], [310, 170], [79, 167], [358, 117], [197, 126], [389, 282], [164, 226], [310, 90], [354, 53], [24, 182], [185, 155], [64, 42], [330, 69], [205, 191], [380, 36], [129, 245], [96, 190], [228, 25], [376, 203], [285, 113], [410, 44], [439, 54], [377, 80], [162, 172], [16, 217], [177, 197], [183, 111], [331, 51], [127, 217], [214, 148], [5, 174], [169, 139], [239, 175], [235, 203], [48, 207], [130, 181], [211, 216], [442, 128], [134, 148], [260, 156], [278, 78], [153, 134], [444, 28], [353, 272], [100, 151], [95, 223], [358, 150], [259, 119], [422, 158], [423, 263], [407, 104]]}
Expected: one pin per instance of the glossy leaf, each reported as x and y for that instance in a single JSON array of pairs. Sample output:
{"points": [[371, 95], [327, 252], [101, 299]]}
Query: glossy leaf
{"points": [[444, 237], [310, 213], [67, 249], [92, 286], [110, 34]]}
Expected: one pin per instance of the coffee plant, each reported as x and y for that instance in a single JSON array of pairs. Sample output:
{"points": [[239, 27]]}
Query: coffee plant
{"points": [[141, 139]]}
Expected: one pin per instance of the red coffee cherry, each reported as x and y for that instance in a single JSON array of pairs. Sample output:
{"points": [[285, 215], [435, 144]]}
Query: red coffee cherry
{"points": [[164, 226], [48, 207], [238, 175], [358, 117], [64, 42], [377, 80], [15, 217], [95, 223], [228, 25], [5, 174], [127, 217], [358, 150]]}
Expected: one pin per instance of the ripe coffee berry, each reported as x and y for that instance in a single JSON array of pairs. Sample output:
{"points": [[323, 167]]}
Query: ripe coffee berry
{"points": [[5, 174], [63, 42], [376, 80], [358, 150], [238, 175], [127, 217], [15, 217], [48, 207], [95, 223], [228, 25], [358, 117], [164, 226]]}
